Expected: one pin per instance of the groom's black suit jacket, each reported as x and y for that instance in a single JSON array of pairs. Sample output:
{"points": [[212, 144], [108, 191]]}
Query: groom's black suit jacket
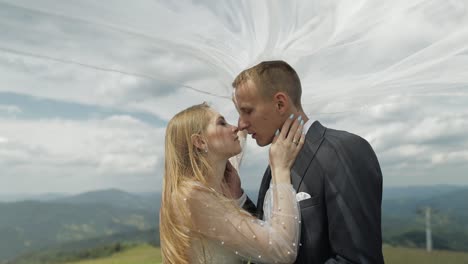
{"points": [[341, 222]]}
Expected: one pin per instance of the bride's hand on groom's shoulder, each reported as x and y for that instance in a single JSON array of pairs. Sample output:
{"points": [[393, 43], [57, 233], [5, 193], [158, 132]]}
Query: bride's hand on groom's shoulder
{"points": [[286, 145], [233, 182]]}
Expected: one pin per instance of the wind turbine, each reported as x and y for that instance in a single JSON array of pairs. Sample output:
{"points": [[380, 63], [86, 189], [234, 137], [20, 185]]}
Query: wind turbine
{"points": [[427, 211]]}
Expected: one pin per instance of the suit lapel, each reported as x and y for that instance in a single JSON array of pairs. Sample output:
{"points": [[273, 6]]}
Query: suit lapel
{"points": [[314, 139], [263, 189]]}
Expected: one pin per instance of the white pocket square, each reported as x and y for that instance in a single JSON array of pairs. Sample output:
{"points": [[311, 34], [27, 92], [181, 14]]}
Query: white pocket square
{"points": [[302, 196]]}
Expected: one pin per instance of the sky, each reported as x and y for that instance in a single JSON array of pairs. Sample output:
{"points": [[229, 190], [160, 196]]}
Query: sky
{"points": [[87, 87]]}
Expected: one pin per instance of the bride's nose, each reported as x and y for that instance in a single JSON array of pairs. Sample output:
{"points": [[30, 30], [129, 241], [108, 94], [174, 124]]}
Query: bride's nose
{"points": [[235, 129]]}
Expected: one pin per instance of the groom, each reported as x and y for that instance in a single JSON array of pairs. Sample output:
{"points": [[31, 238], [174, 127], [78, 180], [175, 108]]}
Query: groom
{"points": [[336, 175]]}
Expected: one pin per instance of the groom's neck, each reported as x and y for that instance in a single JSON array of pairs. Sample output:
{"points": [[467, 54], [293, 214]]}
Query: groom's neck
{"points": [[301, 113]]}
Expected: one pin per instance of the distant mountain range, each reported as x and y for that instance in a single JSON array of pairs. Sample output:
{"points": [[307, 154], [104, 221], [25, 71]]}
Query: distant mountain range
{"points": [[403, 219], [61, 222], [8, 198], [392, 193], [27, 226], [115, 198]]}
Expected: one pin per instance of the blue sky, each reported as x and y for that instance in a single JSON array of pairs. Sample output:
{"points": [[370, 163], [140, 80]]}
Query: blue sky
{"points": [[28, 107], [86, 88]]}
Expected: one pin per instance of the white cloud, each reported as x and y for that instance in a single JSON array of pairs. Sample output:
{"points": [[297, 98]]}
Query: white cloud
{"points": [[103, 152], [450, 158], [393, 72]]}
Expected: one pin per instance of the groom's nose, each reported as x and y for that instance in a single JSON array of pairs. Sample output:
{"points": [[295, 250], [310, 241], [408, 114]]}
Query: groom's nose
{"points": [[242, 124]]}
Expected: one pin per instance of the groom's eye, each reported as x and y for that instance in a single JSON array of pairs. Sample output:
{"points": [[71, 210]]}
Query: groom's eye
{"points": [[245, 110]]}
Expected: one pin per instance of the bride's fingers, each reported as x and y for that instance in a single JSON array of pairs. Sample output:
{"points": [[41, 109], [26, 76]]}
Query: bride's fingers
{"points": [[296, 136], [294, 128], [286, 126], [300, 142], [275, 137]]}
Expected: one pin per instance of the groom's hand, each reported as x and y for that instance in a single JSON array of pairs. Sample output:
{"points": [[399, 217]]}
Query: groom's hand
{"points": [[232, 179]]}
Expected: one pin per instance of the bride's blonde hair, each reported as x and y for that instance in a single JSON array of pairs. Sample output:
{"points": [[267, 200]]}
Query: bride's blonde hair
{"points": [[183, 163]]}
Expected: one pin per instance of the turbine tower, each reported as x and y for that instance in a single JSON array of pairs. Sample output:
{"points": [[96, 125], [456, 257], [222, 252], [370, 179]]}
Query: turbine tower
{"points": [[428, 230]]}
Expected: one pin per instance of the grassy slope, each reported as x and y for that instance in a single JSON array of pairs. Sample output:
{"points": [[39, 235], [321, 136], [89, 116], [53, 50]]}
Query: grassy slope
{"points": [[405, 255], [149, 255], [144, 254]]}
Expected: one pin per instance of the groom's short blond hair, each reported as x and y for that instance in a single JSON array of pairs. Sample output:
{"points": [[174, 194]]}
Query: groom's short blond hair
{"points": [[271, 77]]}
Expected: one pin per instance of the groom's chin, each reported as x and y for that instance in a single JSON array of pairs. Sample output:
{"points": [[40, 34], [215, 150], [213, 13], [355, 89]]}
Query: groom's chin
{"points": [[263, 143]]}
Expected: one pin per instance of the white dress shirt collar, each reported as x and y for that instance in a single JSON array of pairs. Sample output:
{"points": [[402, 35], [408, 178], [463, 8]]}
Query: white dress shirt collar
{"points": [[307, 126]]}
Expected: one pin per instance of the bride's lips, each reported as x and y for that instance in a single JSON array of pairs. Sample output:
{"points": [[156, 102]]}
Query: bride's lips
{"points": [[253, 135]]}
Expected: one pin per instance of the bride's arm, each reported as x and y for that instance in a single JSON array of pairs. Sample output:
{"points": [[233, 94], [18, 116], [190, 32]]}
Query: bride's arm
{"points": [[272, 240]]}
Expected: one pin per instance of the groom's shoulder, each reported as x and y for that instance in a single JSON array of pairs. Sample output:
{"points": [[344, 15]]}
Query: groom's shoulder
{"points": [[337, 137]]}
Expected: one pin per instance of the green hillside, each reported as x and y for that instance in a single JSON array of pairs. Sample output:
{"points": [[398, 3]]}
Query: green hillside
{"points": [[146, 254], [69, 225], [398, 255], [31, 226], [404, 225], [88, 249]]}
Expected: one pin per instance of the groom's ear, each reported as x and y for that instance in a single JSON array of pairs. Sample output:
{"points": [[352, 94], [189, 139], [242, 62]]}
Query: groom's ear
{"points": [[198, 142], [281, 102]]}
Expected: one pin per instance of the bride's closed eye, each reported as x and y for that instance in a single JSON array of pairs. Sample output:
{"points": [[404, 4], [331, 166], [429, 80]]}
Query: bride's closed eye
{"points": [[222, 121]]}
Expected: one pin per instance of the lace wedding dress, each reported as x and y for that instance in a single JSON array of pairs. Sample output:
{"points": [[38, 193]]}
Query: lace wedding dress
{"points": [[229, 234]]}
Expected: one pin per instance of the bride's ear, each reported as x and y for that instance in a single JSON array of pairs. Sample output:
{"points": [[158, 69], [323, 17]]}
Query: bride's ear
{"points": [[199, 142]]}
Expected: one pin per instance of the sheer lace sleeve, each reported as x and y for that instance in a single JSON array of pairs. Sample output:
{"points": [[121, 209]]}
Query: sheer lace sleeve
{"points": [[272, 240]]}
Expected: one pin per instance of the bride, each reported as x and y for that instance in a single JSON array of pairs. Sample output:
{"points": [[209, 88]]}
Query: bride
{"points": [[199, 220]]}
